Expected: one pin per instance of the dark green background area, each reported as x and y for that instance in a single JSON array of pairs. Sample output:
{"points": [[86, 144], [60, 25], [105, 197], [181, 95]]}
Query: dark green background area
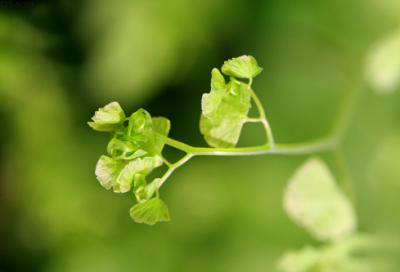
{"points": [[62, 60]]}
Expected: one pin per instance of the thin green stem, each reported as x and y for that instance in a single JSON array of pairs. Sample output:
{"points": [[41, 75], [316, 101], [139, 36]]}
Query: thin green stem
{"points": [[263, 118], [331, 141], [319, 145], [173, 167]]}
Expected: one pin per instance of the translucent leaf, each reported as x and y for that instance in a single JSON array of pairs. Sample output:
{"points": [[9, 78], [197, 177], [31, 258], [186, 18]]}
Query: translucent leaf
{"points": [[383, 64], [303, 260], [152, 187], [138, 166], [211, 101], [313, 200], [150, 212], [239, 91], [224, 130], [107, 171], [241, 67], [108, 118], [139, 185], [161, 126]]}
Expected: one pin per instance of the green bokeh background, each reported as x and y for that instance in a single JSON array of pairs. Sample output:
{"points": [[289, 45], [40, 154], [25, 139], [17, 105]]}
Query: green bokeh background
{"points": [[62, 60]]}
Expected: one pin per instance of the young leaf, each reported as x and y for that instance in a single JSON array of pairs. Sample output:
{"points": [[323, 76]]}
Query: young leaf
{"points": [[150, 212], [152, 187], [138, 166], [108, 118], [211, 101], [383, 64], [239, 91], [161, 126], [224, 130], [107, 171], [241, 67], [139, 184], [313, 200]]}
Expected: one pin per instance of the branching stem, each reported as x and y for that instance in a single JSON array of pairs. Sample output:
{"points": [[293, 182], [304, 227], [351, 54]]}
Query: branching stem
{"points": [[331, 141]]}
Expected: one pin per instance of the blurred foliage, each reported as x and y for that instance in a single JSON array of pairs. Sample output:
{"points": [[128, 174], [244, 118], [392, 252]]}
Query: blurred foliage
{"points": [[62, 60]]}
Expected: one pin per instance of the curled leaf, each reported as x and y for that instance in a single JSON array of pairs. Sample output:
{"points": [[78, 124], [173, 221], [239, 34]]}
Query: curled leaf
{"points": [[138, 166], [239, 91], [107, 171], [211, 101], [161, 126], [241, 67], [108, 118]]}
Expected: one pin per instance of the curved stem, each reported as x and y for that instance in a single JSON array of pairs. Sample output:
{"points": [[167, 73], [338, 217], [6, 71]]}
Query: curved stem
{"points": [[173, 167], [319, 145], [263, 118]]}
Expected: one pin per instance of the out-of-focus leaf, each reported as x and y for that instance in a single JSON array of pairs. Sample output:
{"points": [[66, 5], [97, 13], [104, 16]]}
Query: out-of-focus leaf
{"points": [[107, 118], [224, 130], [383, 64], [303, 260], [313, 200], [211, 101], [241, 67], [107, 171], [150, 212]]}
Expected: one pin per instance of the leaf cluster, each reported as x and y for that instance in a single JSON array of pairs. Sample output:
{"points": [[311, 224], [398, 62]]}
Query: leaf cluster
{"points": [[225, 108], [134, 151]]}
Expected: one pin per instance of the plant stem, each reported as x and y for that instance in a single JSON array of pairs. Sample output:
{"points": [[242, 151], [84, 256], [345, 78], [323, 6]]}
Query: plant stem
{"points": [[263, 117], [319, 145], [173, 167]]}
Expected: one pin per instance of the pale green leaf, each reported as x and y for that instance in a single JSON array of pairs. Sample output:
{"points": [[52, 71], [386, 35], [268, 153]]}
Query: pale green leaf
{"points": [[239, 91], [161, 126], [108, 118], [304, 260], [152, 187], [138, 166], [107, 171], [136, 154], [313, 200], [224, 130], [383, 64], [241, 67], [150, 212], [211, 101]]}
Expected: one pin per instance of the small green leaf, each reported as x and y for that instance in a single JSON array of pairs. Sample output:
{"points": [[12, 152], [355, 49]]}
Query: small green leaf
{"points": [[313, 200], [139, 185], [239, 91], [161, 126], [150, 212], [383, 64], [138, 166], [152, 187], [107, 171], [108, 118], [241, 67], [224, 130], [211, 101]]}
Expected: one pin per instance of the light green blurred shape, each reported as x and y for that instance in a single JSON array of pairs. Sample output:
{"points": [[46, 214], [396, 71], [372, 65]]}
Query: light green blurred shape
{"points": [[135, 47], [382, 69]]}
